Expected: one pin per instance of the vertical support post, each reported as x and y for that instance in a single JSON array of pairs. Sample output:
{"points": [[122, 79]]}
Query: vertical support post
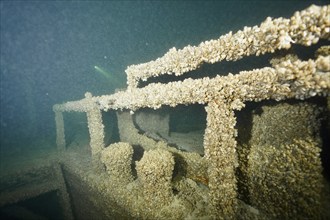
{"points": [[220, 151], [95, 126], [60, 135]]}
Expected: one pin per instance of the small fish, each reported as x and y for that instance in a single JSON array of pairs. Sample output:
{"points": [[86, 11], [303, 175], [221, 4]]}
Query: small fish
{"points": [[114, 80]]}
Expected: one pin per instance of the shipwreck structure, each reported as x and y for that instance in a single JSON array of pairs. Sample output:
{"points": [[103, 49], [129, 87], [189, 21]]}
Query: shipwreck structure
{"points": [[263, 165]]}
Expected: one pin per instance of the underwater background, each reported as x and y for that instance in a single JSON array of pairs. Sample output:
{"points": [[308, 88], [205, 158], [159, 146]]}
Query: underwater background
{"points": [[55, 51]]}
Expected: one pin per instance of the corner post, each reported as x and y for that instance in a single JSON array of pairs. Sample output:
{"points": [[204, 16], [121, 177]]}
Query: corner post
{"points": [[60, 135], [220, 151], [95, 126]]}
